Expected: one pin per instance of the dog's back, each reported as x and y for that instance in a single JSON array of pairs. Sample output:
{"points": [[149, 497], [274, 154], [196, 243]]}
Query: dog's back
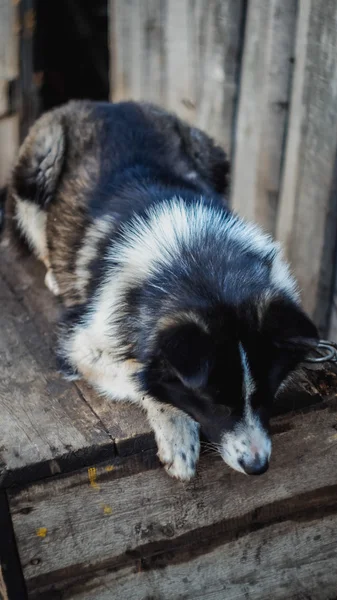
{"points": [[81, 173]]}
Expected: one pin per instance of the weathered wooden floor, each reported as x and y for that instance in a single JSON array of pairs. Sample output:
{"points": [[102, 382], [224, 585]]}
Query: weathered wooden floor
{"points": [[87, 513]]}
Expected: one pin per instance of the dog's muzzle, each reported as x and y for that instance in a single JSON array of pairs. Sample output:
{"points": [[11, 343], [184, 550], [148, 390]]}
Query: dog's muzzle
{"points": [[257, 466]]}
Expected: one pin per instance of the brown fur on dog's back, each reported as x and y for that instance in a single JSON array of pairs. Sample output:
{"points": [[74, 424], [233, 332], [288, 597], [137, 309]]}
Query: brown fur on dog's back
{"points": [[192, 145], [59, 168], [56, 168]]}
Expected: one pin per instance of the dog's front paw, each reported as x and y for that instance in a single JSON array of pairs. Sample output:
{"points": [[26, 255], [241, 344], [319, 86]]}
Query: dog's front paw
{"points": [[178, 446]]}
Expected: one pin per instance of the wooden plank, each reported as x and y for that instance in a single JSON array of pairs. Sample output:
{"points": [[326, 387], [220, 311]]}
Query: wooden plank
{"points": [[120, 33], [217, 32], [123, 423], [307, 212], [181, 54], [74, 530], [4, 105], [263, 108], [332, 308], [12, 584], [28, 89], [9, 143], [3, 588], [181, 91], [9, 70], [91, 427], [294, 560], [42, 417], [9, 29], [46, 426]]}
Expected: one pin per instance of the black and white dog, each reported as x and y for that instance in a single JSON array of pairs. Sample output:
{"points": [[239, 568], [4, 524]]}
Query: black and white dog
{"points": [[172, 301]]}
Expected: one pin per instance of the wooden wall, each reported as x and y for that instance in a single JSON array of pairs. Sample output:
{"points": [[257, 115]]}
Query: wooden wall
{"points": [[183, 54], [9, 68], [261, 77]]}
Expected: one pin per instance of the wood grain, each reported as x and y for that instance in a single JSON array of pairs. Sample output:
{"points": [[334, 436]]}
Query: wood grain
{"points": [[9, 61], [122, 422], [263, 108], [43, 418], [4, 105], [3, 590], [293, 560], [9, 67], [307, 215], [182, 54], [9, 144], [49, 425], [136, 516]]}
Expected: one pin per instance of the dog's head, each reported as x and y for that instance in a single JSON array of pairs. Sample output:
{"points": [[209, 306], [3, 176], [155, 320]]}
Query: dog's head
{"points": [[223, 366]]}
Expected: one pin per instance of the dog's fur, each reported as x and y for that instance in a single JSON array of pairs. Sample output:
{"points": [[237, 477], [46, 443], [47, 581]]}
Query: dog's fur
{"points": [[172, 301]]}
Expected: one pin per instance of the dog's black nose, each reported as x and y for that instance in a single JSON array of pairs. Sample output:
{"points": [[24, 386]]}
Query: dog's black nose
{"points": [[257, 466]]}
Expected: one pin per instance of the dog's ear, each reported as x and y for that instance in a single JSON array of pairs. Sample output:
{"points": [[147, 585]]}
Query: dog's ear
{"points": [[188, 350], [292, 335], [286, 323]]}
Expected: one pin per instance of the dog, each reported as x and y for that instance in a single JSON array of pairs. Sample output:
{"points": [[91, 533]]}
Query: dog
{"points": [[171, 301]]}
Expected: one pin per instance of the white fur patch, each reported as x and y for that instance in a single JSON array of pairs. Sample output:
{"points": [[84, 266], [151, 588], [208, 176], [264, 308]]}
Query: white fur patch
{"points": [[88, 251], [32, 223], [248, 381], [177, 437], [89, 352], [148, 246], [249, 438]]}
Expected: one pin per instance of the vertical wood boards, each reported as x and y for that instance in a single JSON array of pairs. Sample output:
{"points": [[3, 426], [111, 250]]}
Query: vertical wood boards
{"points": [[263, 106], [3, 589], [9, 62], [185, 54], [306, 222], [182, 54], [9, 143], [331, 243], [9, 66], [29, 101]]}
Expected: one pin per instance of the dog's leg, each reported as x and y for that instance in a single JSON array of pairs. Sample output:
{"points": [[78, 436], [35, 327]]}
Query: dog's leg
{"points": [[177, 437]]}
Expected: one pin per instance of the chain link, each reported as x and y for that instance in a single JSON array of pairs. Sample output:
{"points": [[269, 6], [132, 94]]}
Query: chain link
{"points": [[326, 350]]}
